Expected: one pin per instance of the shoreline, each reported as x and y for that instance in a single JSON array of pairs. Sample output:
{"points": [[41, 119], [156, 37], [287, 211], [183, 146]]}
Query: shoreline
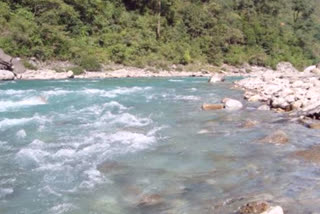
{"points": [[284, 90], [63, 71]]}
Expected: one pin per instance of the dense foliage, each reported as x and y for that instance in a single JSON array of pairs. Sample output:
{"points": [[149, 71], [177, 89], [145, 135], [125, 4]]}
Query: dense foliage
{"points": [[155, 32]]}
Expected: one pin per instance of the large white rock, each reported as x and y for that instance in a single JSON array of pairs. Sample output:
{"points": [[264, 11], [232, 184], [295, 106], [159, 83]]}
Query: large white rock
{"points": [[46, 74], [286, 67], [264, 108], [231, 104], [216, 78], [274, 210], [6, 75], [310, 68]]}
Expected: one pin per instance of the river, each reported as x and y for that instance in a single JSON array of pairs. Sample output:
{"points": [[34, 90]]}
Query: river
{"points": [[129, 146]]}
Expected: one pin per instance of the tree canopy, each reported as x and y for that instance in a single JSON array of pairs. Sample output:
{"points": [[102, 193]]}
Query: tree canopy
{"points": [[261, 32]]}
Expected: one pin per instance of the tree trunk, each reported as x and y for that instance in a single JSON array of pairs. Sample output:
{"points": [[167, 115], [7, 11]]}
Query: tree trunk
{"points": [[159, 20]]}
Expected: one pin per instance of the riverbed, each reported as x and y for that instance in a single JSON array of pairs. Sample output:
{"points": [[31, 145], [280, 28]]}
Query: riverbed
{"points": [[143, 145]]}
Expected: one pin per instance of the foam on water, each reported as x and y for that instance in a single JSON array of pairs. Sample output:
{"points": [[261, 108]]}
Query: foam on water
{"points": [[21, 134], [62, 208], [56, 92], [187, 97], [33, 101], [174, 80], [16, 92], [115, 92], [7, 123], [5, 191], [132, 141]]}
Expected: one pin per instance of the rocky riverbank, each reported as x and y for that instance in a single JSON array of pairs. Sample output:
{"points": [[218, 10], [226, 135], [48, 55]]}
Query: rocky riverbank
{"points": [[285, 90]]}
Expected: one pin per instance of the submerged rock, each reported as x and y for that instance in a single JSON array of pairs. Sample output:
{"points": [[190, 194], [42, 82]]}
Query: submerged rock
{"points": [[150, 200], [232, 104], [264, 108], [278, 137], [314, 126], [249, 124], [310, 123], [6, 75], [310, 155], [110, 166], [260, 208], [207, 106]]}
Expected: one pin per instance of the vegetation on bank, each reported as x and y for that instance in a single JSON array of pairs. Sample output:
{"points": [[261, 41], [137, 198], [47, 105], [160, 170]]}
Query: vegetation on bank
{"points": [[161, 32]]}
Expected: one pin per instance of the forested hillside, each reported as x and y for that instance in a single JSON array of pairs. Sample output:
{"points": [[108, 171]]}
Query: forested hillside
{"points": [[153, 32]]}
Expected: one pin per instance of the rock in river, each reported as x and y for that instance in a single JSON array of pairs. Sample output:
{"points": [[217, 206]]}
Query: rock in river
{"points": [[310, 155], [207, 106], [254, 208], [216, 78], [260, 208], [150, 200], [264, 108], [278, 137], [249, 124], [232, 104], [6, 75]]}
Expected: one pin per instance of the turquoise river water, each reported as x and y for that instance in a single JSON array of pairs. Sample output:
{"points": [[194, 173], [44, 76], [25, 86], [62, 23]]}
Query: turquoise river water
{"points": [[131, 146]]}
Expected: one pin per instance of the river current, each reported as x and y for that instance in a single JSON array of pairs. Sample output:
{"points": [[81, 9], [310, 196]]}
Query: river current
{"points": [[129, 146]]}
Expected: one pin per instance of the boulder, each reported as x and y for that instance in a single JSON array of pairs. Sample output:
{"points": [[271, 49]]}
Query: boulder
{"points": [[254, 208], [278, 137], [255, 98], [207, 107], [260, 208], [318, 65], [217, 78], [309, 69], [286, 67], [264, 108], [46, 74], [274, 210], [70, 74], [297, 105], [316, 71], [17, 66], [280, 102], [6, 75], [12, 64], [231, 104]]}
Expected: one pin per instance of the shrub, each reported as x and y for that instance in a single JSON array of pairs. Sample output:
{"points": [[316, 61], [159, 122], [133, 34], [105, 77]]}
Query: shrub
{"points": [[59, 70], [28, 65], [89, 63], [186, 58], [77, 70]]}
